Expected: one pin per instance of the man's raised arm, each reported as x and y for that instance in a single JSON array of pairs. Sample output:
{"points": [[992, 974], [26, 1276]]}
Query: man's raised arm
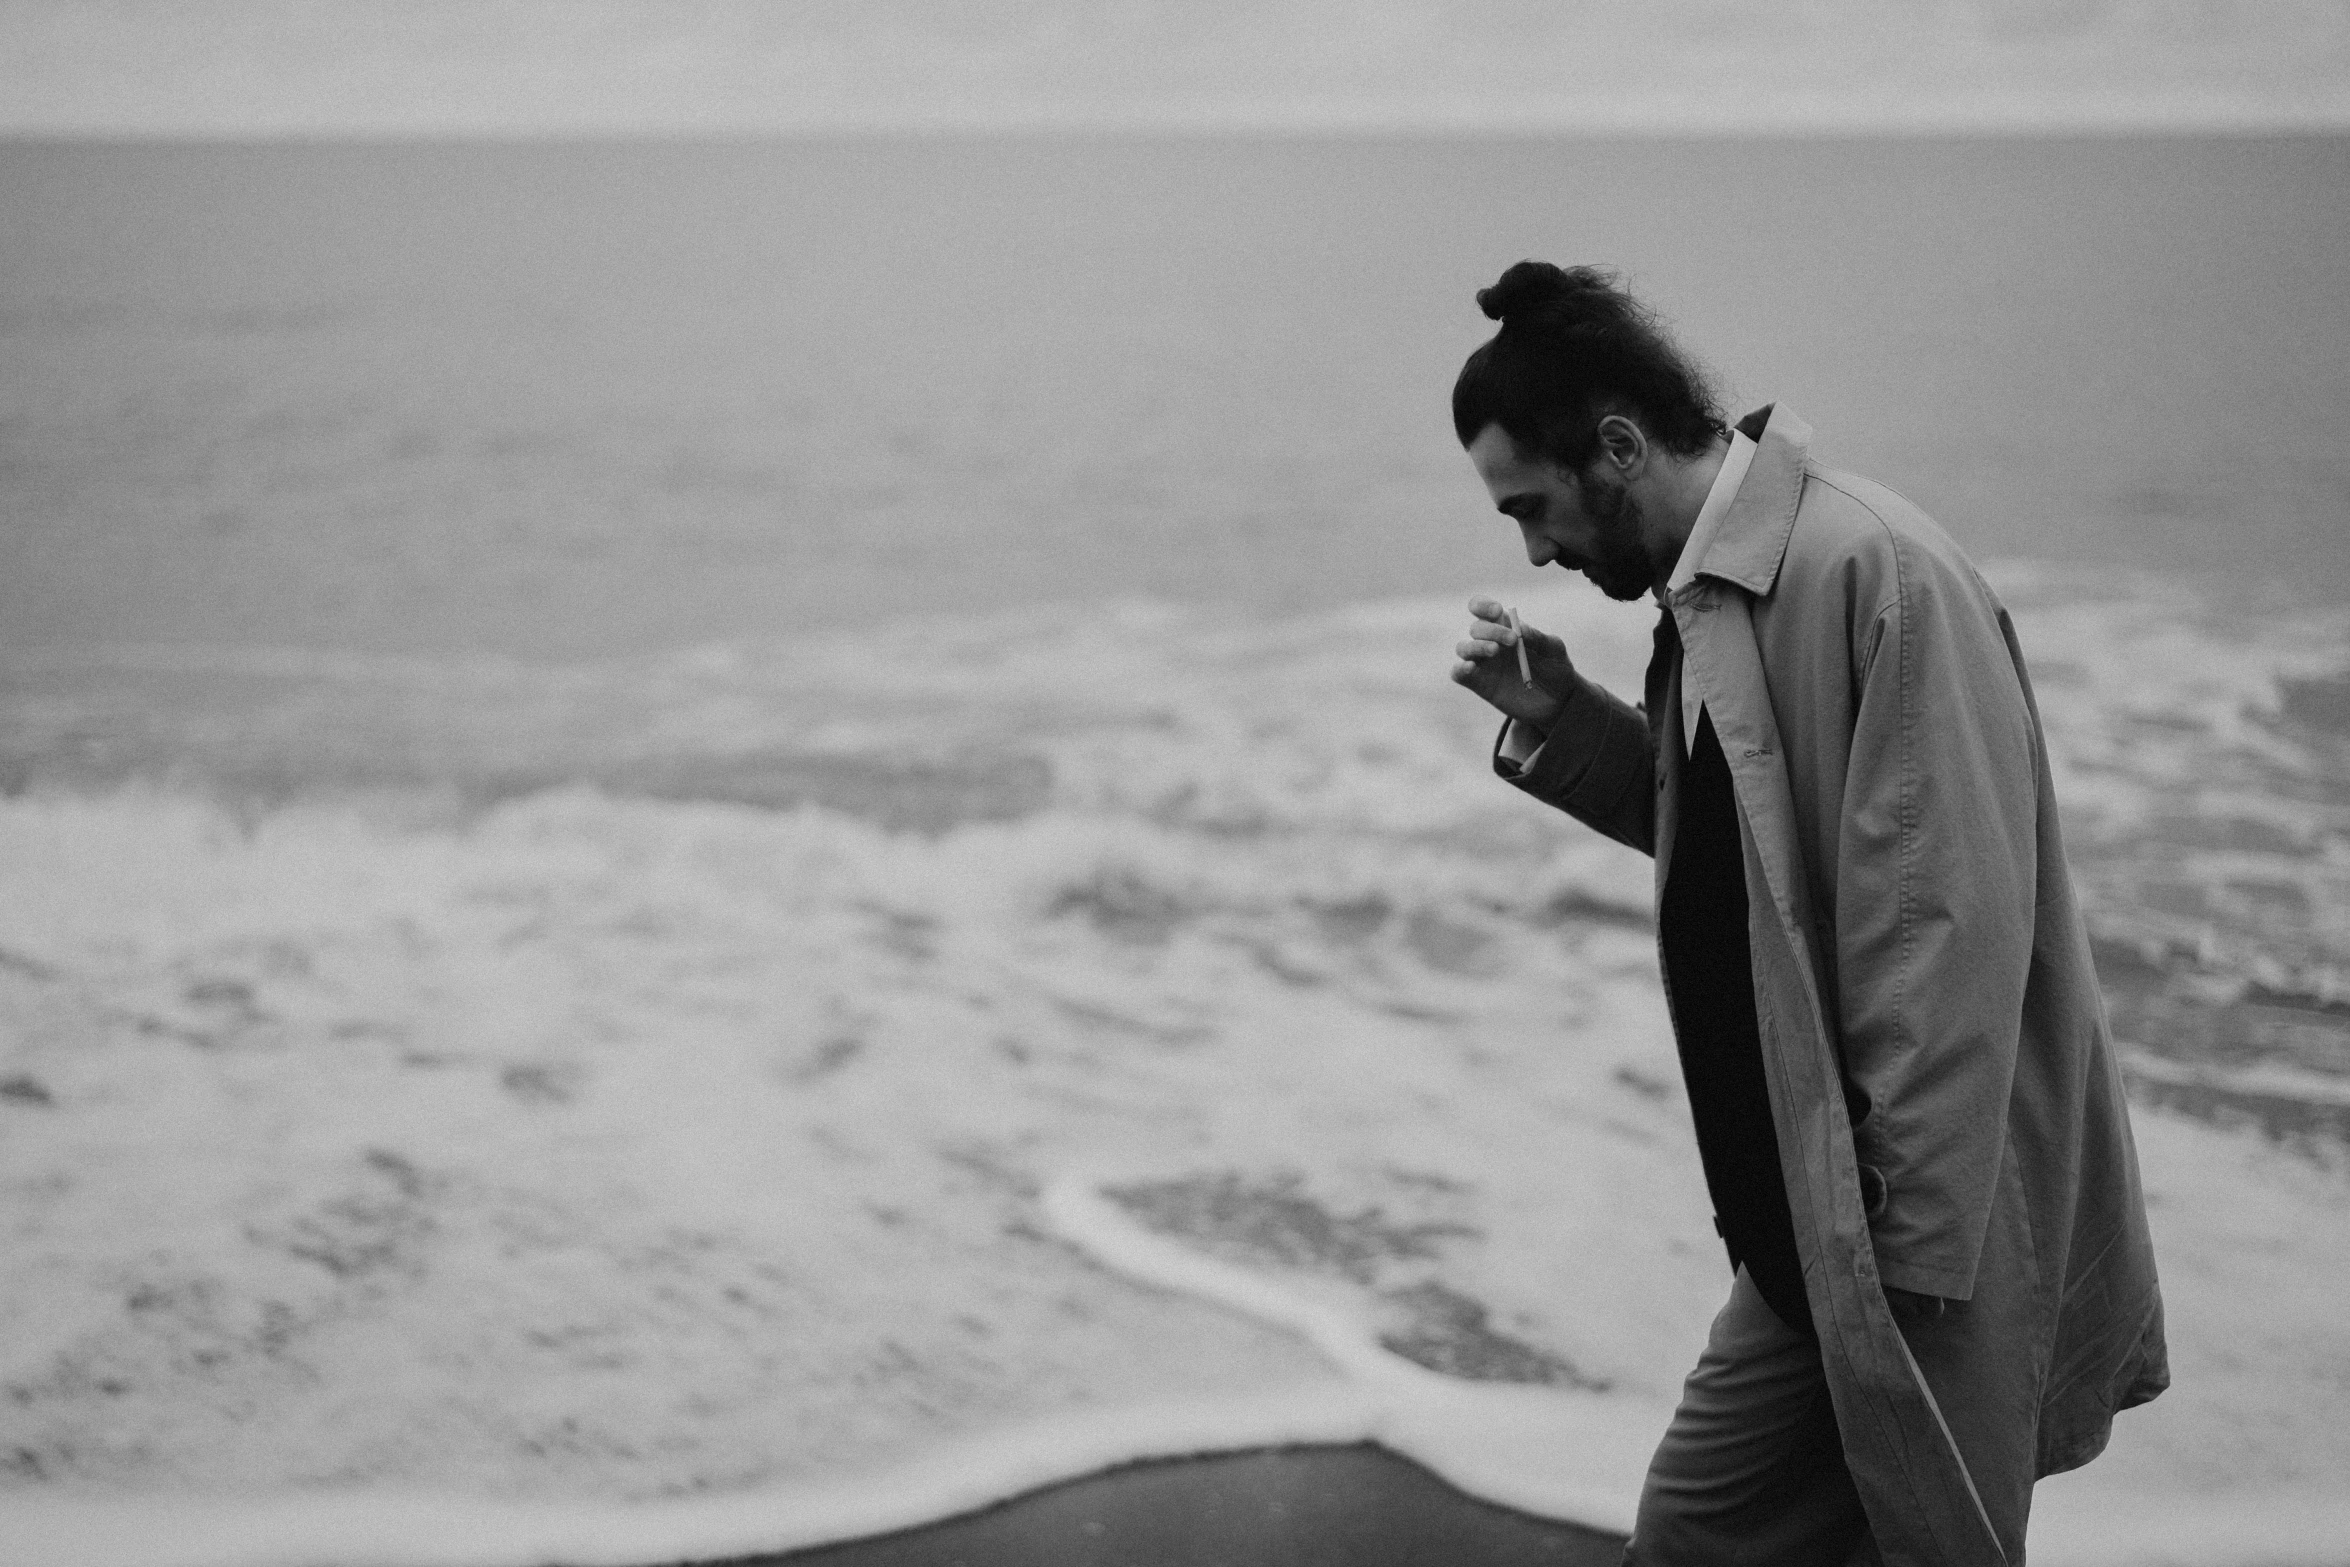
{"points": [[1565, 741]]}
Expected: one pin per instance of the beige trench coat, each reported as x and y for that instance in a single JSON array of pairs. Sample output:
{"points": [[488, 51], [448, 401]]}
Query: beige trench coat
{"points": [[1915, 939]]}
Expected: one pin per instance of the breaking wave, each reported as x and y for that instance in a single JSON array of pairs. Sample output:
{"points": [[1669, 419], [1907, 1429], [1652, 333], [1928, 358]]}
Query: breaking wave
{"points": [[729, 1080]]}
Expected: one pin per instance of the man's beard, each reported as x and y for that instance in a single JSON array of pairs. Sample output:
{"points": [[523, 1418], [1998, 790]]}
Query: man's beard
{"points": [[1621, 568]]}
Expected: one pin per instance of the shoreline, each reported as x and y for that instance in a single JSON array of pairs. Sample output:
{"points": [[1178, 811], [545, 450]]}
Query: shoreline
{"points": [[1356, 1505]]}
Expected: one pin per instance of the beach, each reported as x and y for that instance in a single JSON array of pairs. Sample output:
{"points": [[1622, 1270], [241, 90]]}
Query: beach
{"points": [[825, 1164], [1300, 1507], [650, 923]]}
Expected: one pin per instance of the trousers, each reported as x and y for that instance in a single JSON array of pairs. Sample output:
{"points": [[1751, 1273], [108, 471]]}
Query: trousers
{"points": [[1751, 1470]]}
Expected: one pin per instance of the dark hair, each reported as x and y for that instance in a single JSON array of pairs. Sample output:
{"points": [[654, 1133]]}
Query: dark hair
{"points": [[1572, 349]]}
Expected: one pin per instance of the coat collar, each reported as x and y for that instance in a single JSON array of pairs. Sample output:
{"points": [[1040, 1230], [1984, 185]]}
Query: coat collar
{"points": [[1752, 538]]}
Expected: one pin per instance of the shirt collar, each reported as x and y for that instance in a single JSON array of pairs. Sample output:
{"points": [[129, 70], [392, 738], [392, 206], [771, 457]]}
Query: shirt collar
{"points": [[1710, 515]]}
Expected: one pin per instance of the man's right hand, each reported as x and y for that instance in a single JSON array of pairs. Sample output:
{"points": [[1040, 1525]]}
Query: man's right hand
{"points": [[1489, 666]]}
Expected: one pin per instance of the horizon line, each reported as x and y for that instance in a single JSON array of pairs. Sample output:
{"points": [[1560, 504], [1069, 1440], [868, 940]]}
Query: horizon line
{"points": [[2332, 119]]}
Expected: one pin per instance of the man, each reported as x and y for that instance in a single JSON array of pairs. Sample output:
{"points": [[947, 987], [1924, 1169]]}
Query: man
{"points": [[1910, 1119]]}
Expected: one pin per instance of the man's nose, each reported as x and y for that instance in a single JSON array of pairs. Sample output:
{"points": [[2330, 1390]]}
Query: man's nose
{"points": [[1539, 550]]}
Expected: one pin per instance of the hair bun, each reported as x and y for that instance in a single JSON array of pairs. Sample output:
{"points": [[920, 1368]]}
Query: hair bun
{"points": [[1528, 286]]}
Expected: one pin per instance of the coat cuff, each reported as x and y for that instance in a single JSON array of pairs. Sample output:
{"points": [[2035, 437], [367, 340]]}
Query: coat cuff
{"points": [[1917, 1276], [1593, 752]]}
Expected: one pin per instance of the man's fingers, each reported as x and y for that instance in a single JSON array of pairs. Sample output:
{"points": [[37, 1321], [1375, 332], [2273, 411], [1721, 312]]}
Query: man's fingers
{"points": [[1492, 622], [1474, 648], [1477, 677]]}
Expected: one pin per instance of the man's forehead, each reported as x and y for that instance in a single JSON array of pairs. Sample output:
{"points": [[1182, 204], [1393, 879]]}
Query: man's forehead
{"points": [[1498, 463]]}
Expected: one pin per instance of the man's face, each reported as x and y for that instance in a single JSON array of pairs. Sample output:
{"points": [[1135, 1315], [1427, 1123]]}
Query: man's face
{"points": [[1584, 522]]}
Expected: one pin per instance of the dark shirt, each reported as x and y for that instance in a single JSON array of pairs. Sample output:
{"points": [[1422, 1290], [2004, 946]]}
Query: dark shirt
{"points": [[1709, 984]]}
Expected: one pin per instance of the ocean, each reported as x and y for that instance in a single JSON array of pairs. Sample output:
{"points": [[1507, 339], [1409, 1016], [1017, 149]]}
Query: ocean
{"points": [[770, 835], [557, 401]]}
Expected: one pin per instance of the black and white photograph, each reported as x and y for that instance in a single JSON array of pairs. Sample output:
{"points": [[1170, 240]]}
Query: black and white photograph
{"points": [[1106, 783]]}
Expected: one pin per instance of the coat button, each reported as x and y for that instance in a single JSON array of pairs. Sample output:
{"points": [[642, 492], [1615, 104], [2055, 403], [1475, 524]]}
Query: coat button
{"points": [[1873, 1190]]}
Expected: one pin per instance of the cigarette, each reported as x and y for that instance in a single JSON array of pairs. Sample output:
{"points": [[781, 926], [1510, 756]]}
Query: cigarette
{"points": [[1525, 670]]}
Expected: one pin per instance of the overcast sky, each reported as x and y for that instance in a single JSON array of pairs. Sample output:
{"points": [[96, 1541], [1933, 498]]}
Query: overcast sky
{"points": [[330, 67]]}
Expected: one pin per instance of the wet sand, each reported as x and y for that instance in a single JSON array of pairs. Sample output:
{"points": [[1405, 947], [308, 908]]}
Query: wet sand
{"points": [[1356, 1506]]}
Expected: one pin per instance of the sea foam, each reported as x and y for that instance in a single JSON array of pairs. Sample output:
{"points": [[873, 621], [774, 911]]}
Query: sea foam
{"points": [[513, 1157]]}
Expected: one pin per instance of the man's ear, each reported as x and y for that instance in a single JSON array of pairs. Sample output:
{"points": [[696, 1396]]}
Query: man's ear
{"points": [[1623, 445]]}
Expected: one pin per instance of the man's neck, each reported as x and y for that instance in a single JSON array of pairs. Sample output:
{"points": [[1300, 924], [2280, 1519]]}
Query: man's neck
{"points": [[1682, 484]]}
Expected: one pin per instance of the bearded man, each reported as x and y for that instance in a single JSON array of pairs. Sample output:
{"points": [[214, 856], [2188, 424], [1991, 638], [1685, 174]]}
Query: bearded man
{"points": [[1907, 1107]]}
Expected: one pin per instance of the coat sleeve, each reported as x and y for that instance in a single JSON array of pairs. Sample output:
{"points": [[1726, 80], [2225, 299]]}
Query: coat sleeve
{"points": [[1597, 764], [1934, 901]]}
